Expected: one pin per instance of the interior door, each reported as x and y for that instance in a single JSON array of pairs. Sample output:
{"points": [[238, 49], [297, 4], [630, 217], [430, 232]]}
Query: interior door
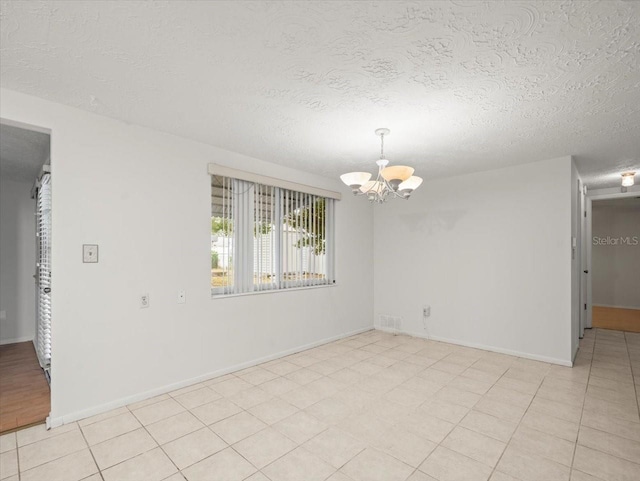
{"points": [[43, 271]]}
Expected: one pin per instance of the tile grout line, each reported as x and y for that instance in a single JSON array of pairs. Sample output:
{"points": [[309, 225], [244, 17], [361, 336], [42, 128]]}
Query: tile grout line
{"points": [[606, 432], [324, 430], [158, 444], [91, 452], [329, 427], [230, 446], [495, 467], [575, 446], [43, 440], [123, 434], [206, 426], [633, 378], [300, 445], [439, 444], [18, 458]]}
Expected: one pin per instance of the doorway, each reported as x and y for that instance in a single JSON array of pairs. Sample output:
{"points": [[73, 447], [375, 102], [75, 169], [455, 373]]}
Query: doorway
{"points": [[614, 262], [25, 309]]}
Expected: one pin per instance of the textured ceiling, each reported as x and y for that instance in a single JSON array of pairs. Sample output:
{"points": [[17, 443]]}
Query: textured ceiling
{"points": [[22, 153], [463, 85]]}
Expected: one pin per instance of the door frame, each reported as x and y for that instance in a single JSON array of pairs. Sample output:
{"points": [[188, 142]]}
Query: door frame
{"points": [[600, 194], [48, 131], [581, 253]]}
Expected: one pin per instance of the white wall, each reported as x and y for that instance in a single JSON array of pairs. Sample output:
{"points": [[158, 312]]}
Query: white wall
{"points": [[490, 252], [144, 197], [17, 262], [616, 267]]}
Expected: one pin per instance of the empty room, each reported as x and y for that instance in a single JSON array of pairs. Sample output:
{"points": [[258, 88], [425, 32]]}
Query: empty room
{"points": [[319, 241]]}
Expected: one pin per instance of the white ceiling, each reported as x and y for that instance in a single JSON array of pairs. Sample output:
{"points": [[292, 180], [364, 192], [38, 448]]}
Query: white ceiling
{"points": [[22, 153], [463, 85]]}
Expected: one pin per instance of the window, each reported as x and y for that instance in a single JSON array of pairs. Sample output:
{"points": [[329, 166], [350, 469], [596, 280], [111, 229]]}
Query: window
{"points": [[268, 237]]}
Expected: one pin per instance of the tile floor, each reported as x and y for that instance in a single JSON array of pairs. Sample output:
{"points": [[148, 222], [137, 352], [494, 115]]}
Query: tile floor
{"points": [[373, 407]]}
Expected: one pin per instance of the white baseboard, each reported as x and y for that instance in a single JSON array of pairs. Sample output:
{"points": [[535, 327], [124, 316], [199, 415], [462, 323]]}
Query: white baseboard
{"points": [[634, 308], [525, 355], [18, 339], [55, 421]]}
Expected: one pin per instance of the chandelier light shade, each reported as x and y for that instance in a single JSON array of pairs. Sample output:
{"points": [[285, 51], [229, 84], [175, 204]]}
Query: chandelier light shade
{"points": [[392, 181], [355, 179], [628, 179], [396, 174], [411, 184]]}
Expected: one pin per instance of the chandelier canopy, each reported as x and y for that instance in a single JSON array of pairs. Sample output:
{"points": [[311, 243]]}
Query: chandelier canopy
{"points": [[392, 180]]}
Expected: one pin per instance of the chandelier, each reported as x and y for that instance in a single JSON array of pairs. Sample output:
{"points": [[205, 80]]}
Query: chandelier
{"points": [[392, 180]]}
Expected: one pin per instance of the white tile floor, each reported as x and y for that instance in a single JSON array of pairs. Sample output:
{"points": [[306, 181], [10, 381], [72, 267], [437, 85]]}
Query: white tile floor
{"points": [[367, 408]]}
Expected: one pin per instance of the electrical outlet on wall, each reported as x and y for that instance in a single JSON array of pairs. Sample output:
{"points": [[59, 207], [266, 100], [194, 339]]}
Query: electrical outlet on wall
{"points": [[426, 312], [144, 301], [182, 297]]}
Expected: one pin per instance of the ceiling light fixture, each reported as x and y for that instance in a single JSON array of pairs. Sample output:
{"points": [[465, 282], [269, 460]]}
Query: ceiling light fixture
{"points": [[392, 181], [628, 179]]}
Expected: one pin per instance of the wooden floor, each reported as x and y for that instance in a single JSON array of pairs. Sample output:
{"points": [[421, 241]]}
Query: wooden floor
{"points": [[24, 391], [616, 318]]}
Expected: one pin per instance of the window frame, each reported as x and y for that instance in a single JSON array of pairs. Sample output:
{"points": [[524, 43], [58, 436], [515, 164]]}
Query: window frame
{"points": [[280, 188]]}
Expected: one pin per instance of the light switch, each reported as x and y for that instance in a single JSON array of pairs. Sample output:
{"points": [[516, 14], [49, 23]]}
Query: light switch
{"points": [[89, 253]]}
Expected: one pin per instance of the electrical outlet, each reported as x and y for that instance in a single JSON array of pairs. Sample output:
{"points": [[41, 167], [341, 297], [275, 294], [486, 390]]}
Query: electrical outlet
{"points": [[426, 312], [182, 297], [144, 301]]}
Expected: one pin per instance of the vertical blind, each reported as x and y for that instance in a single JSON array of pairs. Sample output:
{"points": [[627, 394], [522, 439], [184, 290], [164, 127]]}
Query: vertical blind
{"points": [[43, 219], [266, 237]]}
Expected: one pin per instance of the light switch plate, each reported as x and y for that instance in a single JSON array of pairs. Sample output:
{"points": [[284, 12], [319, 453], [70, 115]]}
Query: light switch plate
{"points": [[89, 253]]}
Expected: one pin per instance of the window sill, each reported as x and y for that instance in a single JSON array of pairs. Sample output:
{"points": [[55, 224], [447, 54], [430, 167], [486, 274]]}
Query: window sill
{"points": [[271, 291]]}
